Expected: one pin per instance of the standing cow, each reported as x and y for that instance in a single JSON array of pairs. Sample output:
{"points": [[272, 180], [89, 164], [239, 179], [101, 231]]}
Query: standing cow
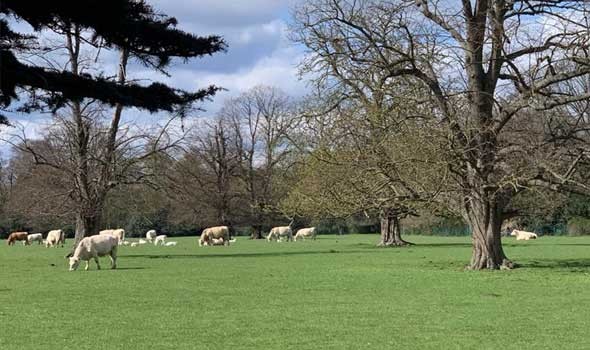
{"points": [[55, 237], [17, 236]]}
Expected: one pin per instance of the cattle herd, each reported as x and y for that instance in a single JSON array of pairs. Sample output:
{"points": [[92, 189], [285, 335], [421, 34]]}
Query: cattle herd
{"points": [[107, 241]]}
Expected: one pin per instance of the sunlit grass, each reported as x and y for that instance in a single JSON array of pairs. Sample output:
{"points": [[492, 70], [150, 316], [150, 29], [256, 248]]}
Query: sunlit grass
{"points": [[339, 292]]}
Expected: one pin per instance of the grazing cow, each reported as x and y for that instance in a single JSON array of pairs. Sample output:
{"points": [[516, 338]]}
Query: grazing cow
{"points": [[523, 235], [117, 233], [17, 236], [279, 233], [170, 244], [161, 239], [142, 241], [216, 232], [55, 237], [304, 233], [35, 237], [151, 235], [92, 247]]}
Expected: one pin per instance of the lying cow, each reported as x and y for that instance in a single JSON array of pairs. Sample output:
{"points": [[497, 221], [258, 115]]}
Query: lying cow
{"points": [[217, 241], [160, 240], [523, 235], [18, 236], [92, 247]]}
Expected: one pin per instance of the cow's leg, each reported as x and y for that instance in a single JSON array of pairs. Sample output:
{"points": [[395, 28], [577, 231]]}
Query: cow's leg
{"points": [[97, 263], [113, 261], [87, 265]]}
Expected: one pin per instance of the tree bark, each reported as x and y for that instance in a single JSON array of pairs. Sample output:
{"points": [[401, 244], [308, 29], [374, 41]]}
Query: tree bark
{"points": [[485, 220], [256, 232], [391, 235]]}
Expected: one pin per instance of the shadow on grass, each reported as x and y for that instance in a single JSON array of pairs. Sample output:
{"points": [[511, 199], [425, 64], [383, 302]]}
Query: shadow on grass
{"points": [[555, 263], [241, 255], [130, 268], [573, 244], [442, 245]]}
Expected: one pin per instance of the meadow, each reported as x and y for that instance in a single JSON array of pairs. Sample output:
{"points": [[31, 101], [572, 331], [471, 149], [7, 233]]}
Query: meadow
{"points": [[339, 292]]}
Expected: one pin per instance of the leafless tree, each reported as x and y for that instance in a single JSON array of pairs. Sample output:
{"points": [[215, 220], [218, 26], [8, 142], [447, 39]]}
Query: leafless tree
{"points": [[489, 68], [261, 119], [93, 154]]}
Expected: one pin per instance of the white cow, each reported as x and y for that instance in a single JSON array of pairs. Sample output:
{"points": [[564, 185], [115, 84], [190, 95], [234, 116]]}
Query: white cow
{"points": [[92, 247], [142, 241], [523, 235], [216, 232], [118, 233], [161, 239], [55, 237], [170, 244], [35, 237], [151, 235], [279, 233], [304, 233], [217, 241], [134, 244]]}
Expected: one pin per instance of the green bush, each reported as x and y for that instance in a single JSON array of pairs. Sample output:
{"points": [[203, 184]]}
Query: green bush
{"points": [[578, 226]]}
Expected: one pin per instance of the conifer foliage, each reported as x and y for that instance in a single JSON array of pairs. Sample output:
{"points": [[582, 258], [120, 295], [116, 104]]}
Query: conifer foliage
{"points": [[150, 37]]}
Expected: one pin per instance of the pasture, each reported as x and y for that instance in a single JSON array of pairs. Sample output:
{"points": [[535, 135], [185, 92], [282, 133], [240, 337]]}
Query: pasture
{"points": [[339, 292]]}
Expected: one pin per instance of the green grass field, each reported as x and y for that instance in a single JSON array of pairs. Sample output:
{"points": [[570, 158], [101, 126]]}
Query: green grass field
{"points": [[339, 292]]}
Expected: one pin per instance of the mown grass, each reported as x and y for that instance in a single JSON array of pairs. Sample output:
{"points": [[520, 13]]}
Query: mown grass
{"points": [[339, 292]]}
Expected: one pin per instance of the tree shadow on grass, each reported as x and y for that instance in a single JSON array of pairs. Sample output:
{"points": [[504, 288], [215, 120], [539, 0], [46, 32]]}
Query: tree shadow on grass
{"points": [[240, 255], [573, 244], [442, 245], [557, 264]]}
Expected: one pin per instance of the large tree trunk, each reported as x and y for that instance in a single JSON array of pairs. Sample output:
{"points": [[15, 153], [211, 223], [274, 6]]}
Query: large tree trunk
{"points": [[87, 224], [485, 220], [391, 235]]}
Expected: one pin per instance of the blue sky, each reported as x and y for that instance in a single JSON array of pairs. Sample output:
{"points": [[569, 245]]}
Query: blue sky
{"points": [[258, 52]]}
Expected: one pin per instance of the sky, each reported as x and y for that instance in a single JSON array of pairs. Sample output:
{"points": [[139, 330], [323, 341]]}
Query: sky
{"points": [[259, 52]]}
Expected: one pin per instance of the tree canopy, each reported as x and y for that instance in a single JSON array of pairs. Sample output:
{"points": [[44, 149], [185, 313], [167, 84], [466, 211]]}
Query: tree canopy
{"points": [[150, 37]]}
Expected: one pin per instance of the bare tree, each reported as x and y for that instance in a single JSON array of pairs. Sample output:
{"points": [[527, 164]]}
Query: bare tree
{"points": [[93, 157], [261, 118], [205, 176], [489, 67], [366, 159]]}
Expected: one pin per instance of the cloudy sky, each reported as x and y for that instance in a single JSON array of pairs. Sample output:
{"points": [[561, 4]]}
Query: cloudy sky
{"points": [[259, 51]]}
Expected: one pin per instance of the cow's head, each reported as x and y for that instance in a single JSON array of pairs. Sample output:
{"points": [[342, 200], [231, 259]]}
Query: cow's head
{"points": [[74, 263]]}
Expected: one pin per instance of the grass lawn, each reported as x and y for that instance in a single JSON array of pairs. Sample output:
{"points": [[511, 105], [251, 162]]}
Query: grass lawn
{"points": [[339, 292]]}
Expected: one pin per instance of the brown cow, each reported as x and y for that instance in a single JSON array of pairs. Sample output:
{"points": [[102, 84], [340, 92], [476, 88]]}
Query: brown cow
{"points": [[17, 236]]}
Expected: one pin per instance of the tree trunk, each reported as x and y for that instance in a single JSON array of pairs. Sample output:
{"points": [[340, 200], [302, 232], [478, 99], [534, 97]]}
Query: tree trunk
{"points": [[485, 221], [256, 232], [86, 225], [391, 235]]}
